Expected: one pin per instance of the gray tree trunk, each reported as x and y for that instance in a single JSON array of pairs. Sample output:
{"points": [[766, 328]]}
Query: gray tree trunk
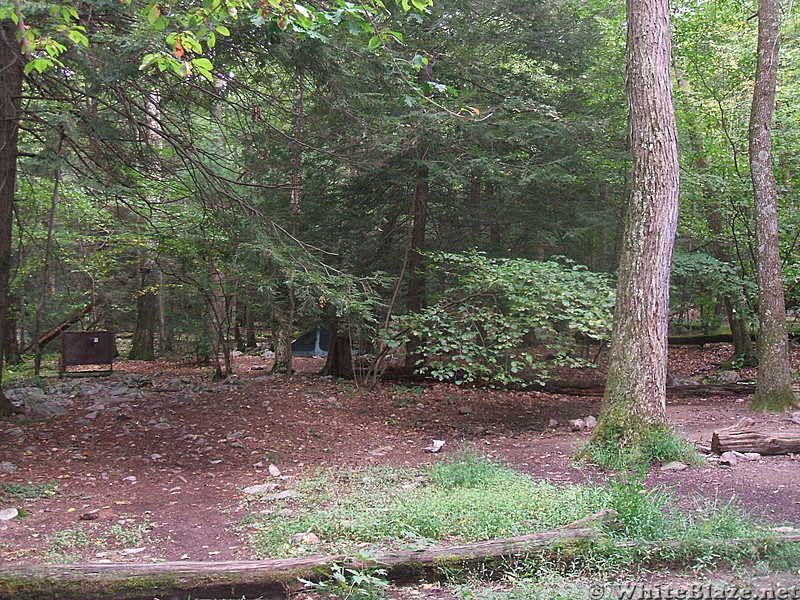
{"points": [[774, 380], [634, 400]]}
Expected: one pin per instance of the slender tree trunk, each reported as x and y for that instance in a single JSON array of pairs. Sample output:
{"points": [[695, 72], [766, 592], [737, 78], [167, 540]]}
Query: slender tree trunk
{"points": [[250, 327], [415, 299], [635, 396], [10, 97], [774, 380]]}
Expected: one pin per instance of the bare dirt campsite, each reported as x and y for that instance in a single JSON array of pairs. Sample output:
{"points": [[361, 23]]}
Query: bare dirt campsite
{"points": [[158, 463]]}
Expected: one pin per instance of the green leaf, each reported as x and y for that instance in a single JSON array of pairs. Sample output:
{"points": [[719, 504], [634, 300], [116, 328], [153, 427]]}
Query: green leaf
{"points": [[374, 42], [222, 30]]}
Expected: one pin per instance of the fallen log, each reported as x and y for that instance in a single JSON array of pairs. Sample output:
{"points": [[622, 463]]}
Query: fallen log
{"points": [[268, 578], [741, 437]]}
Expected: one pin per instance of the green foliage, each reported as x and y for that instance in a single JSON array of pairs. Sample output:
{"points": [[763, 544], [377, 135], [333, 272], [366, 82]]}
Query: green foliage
{"points": [[350, 583], [698, 281], [485, 307]]}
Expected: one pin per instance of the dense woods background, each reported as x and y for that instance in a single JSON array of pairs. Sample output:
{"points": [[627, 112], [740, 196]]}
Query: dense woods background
{"points": [[386, 185]]}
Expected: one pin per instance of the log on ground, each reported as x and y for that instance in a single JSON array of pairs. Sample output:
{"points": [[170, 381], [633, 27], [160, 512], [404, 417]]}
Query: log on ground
{"points": [[742, 437], [267, 578]]}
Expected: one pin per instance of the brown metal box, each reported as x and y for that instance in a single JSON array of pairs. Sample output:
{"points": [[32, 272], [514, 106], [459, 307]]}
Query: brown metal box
{"points": [[86, 348]]}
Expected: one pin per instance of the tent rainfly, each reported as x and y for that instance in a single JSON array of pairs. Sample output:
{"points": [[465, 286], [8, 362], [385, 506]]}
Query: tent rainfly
{"points": [[312, 343]]}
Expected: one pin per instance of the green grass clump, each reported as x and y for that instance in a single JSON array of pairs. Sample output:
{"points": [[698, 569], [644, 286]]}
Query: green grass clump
{"points": [[27, 492], [611, 451]]}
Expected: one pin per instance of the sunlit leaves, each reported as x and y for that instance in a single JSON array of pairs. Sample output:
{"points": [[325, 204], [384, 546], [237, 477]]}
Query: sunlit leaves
{"points": [[475, 329]]}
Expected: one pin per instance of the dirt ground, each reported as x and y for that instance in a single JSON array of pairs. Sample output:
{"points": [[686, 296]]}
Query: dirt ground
{"points": [[177, 452]]}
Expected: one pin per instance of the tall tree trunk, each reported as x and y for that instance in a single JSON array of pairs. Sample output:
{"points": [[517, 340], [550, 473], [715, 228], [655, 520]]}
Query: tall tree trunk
{"points": [[415, 299], [10, 98], [147, 313], [635, 396], [774, 380]]}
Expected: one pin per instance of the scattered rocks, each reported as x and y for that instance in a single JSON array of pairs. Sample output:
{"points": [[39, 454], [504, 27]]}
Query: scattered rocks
{"points": [[8, 514], [587, 423], [27, 396]]}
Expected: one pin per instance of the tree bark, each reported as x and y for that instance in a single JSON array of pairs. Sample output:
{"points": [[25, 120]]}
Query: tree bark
{"points": [[774, 380], [269, 578], [339, 362], [415, 299], [143, 345], [11, 64], [743, 438], [634, 401]]}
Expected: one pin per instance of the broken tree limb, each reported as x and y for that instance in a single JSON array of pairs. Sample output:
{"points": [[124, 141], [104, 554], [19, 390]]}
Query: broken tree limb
{"points": [[269, 578], [742, 437], [53, 333]]}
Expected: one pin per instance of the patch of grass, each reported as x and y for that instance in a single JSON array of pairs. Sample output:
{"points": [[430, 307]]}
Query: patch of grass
{"points": [[66, 545], [658, 445], [69, 545], [28, 492], [470, 498]]}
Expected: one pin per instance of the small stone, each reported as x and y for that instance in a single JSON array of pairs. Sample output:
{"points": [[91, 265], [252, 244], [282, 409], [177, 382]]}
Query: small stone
{"points": [[48, 408], [675, 465], [8, 514], [131, 478], [7, 467], [306, 538], [274, 471], [590, 422], [728, 377], [260, 489], [162, 426], [728, 458], [795, 418], [552, 423], [284, 495], [577, 424], [436, 446], [465, 410], [155, 456], [752, 456], [678, 380], [237, 444]]}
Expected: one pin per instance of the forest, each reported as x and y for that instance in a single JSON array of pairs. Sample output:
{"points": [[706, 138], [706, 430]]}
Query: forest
{"points": [[314, 174], [454, 189]]}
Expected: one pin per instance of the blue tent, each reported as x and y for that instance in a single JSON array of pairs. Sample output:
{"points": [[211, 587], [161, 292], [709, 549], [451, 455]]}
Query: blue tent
{"points": [[312, 343]]}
